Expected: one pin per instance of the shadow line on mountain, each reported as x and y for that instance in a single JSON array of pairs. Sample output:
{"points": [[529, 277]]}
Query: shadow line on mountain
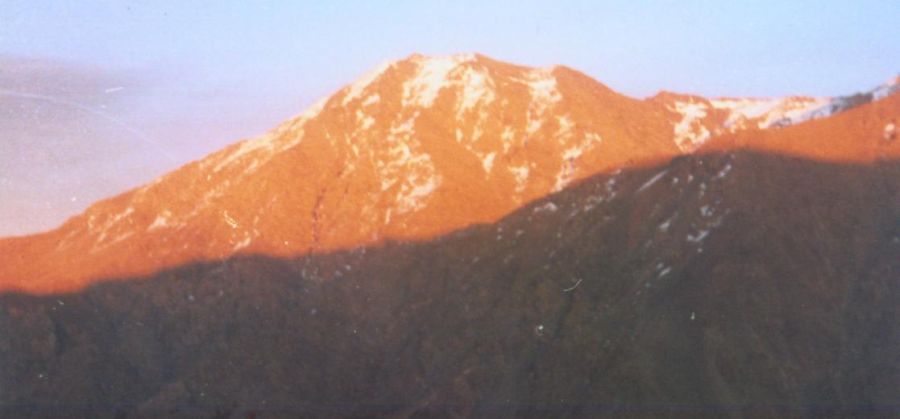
{"points": [[633, 174], [580, 302]]}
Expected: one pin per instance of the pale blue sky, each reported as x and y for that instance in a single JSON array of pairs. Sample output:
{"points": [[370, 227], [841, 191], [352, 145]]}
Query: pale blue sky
{"points": [[183, 78], [637, 47]]}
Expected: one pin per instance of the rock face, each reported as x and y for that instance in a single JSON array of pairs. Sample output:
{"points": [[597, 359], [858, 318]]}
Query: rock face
{"points": [[462, 237]]}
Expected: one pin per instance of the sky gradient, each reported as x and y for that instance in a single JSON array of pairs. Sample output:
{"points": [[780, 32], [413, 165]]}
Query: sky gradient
{"points": [[100, 96]]}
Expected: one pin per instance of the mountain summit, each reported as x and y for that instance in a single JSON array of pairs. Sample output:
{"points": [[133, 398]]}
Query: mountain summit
{"points": [[414, 149]]}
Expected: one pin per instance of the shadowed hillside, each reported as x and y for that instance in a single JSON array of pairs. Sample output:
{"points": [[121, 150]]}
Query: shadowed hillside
{"points": [[724, 285]]}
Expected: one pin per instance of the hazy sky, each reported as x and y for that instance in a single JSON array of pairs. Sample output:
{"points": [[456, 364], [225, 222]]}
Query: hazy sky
{"points": [[100, 96]]}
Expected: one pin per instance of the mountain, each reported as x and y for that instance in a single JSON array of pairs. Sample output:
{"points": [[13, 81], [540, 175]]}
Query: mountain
{"points": [[755, 277], [456, 236], [414, 149]]}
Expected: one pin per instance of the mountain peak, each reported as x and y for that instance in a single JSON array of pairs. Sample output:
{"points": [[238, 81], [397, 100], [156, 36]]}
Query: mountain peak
{"points": [[413, 149]]}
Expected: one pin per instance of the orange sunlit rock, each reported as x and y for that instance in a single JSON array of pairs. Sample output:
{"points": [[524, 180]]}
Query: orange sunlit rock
{"points": [[413, 150]]}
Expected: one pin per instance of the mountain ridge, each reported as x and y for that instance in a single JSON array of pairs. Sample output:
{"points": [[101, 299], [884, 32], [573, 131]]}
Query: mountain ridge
{"points": [[415, 148]]}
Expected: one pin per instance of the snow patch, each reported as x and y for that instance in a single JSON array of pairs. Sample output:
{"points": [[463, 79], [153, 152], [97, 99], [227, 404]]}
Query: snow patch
{"points": [[520, 174], [544, 94], [690, 133], [892, 86], [409, 167], [724, 172], [109, 223], [403, 129], [355, 90], [593, 138], [418, 185], [548, 207], [364, 120], [311, 112], [245, 148], [122, 215], [119, 238], [507, 136], [478, 131], [767, 112], [652, 180], [487, 162], [566, 126], [162, 220], [564, 176], [243, 243], [573, 152], [371, 100], [592, 201], [273, 142], [477, 89], [542, 85], [664, 227], [696, 238], [229, 220], [430, 77]]}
